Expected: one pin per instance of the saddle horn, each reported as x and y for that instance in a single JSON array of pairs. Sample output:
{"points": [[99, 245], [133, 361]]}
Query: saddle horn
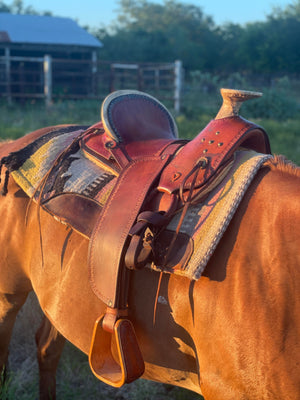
{"points": [[233, 100]]}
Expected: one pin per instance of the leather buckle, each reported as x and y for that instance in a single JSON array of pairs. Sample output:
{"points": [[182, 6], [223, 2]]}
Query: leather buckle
{"points": [[115, 357]]}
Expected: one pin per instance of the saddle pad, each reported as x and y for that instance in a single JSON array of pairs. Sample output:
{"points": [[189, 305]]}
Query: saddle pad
{"points": [[206, 222], [75, 173], [30, 164]]}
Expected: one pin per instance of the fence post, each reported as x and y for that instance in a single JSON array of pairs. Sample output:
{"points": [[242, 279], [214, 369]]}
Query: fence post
{"points": [[94, 73], [177, 84], [48, 79], [7, 73], [156, 82]]}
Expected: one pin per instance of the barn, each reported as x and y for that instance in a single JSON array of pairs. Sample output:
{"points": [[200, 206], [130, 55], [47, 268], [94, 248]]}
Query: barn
{"points": [[34, 49]]}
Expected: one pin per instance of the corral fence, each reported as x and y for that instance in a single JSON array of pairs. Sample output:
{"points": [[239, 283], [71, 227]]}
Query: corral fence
{"points": [[50, 78]]}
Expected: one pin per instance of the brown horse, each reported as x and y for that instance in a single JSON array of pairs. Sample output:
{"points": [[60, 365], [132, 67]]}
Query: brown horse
{"points": [[233, 334]]}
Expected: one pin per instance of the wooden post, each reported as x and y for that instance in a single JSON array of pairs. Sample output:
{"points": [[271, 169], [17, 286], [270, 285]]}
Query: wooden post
{"points": [[94, 73], [48, 79], [177, 84], [140, 78], [112, 78], [7, 73], [156, 78]]}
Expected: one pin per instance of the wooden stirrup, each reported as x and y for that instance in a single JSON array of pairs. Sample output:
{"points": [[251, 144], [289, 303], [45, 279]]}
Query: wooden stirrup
{"points": [[129, 365]]}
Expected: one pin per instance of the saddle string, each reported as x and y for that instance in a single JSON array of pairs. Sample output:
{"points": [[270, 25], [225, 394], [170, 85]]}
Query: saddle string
{"points": [[170, 248], [156, 297], [201, 163]]}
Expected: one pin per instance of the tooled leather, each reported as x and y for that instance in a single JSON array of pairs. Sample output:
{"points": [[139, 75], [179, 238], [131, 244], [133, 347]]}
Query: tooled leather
{"points": [[216, 143]]}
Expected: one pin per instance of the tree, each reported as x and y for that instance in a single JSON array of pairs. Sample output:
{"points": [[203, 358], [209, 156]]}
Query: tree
{"points": [[273, 46], [147, 31], [290, 11], [270, 47], [17, 7]]}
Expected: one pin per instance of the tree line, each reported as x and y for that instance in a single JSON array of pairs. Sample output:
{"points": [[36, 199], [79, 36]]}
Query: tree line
{"points": [[145, 31]]}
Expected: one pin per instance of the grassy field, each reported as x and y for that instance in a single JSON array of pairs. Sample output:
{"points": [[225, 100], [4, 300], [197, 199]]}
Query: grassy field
{"points": [[75, 380]]}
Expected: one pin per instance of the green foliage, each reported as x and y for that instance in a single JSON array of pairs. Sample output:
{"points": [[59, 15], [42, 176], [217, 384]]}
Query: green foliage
{"points": [[274, 104], [279, 102], [146, 31], [291, 10], [284, 137], [18, 7]]}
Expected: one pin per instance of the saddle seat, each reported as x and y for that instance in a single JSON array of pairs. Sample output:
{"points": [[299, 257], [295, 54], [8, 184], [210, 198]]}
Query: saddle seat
{"points": [[131, 116], [134, 122]]}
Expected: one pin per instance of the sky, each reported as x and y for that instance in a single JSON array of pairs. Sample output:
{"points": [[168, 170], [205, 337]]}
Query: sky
{"points": [[96, 13]]}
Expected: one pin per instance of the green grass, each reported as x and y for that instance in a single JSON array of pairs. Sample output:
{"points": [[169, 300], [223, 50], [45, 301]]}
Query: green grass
{"points": [[284, 137], [17, 120]]}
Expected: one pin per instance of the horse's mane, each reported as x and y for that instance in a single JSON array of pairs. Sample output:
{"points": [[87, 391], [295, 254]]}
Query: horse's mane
{"points": [[281, 163]]}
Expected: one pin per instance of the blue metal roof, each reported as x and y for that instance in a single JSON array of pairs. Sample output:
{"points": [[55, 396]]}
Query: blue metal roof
{"points": [[45, 30]]}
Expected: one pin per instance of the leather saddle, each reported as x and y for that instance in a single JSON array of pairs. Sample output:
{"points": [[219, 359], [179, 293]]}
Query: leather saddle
{"points": [[157, 175]]}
